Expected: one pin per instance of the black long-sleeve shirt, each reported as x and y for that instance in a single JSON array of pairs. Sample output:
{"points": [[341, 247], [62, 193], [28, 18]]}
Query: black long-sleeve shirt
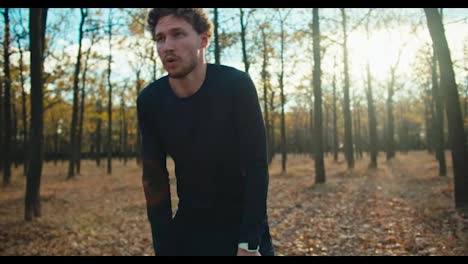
{"points": [[216, 138]]}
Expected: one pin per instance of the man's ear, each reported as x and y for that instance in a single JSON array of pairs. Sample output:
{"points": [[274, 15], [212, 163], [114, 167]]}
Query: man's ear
{"points": [[204, 40]]}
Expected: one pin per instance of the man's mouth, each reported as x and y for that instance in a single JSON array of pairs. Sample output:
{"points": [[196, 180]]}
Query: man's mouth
{"points": [[170, 59]]}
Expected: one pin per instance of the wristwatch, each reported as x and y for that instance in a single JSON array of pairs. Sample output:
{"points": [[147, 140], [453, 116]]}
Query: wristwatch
{"points": [[249, 247]]}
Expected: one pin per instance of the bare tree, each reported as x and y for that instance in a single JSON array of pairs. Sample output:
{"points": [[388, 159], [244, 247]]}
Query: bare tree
{"points": [[7, 102], [109, 105], [266, 84], [348, 140], [37, 24], [282, 18], [82, 107], [243, 24], [335, 119], [319, 164], [19, 36], [452, 104], [73, 154], [373, 140], [438, 117], [217, 51]]}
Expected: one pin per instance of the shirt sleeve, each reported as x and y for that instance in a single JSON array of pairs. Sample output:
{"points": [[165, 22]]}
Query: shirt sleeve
{"points": [[155, 179], [253, 157]]}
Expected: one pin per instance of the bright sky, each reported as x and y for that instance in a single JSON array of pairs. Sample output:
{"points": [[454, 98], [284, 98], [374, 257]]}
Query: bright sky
{"points": [[381, 49]]}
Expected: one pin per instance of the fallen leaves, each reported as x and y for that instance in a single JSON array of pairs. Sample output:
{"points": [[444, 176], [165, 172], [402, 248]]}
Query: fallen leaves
{"points": [[354, 213]]}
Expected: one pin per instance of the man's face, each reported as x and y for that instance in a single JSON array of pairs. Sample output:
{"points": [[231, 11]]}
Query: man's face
{"points": [[179, 45]]}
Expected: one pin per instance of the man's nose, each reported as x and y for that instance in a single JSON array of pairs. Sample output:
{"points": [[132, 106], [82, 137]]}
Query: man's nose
{"points": [[168, 44]]}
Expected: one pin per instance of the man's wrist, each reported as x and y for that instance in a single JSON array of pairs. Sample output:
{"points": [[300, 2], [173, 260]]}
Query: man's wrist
{"points": [[249, 247]]}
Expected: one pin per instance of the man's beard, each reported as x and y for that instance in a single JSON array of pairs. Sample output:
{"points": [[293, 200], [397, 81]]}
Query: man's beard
{"points": [[186, 69]]}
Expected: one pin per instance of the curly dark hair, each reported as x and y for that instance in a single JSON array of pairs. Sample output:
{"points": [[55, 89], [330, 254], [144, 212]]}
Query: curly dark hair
{"points": [[196, 17]]}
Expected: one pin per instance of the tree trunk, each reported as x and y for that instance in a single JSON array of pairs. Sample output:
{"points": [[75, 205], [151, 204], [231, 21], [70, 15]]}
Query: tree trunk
{"points": [[14, 132], [125, 140], [428, 114], [452, 103], [123, 125], [37, 24], [283, 123], [216, 38], [138, 145], [24, 119], [404, 136], [326, 130], [335, 123], [439, 117], [56, 148], [348, 144], [372, 120], [82, 109], [1, 122], [6, 146], [109, 106], [98, 134], [154, 59], [357, 127], [243, 25], [319, 164], [265, 80], [311, 123], [73, 152], [390, 117], [272, 125]]}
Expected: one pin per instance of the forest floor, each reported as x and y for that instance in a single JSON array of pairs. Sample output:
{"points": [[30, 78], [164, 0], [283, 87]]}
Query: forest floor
{"points": [[402, 208]]}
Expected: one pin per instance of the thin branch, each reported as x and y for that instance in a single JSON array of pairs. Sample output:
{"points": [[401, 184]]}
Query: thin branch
{"points": [[465, 19], [50, 105], [360, 21]]}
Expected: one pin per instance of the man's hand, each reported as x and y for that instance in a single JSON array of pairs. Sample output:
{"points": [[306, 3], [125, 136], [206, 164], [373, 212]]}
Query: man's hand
{"points": [[242, 252]]}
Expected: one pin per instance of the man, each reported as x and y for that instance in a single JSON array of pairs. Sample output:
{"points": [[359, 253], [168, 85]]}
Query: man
{"points": [[208, 119]]}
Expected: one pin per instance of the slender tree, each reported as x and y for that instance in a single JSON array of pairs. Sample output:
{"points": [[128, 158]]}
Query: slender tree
{"points": [[390, 117], [372, 120], [217, 51], [452, 104], [109, 105], [154, 60], [319, 164], [243, 24], [438, 117], [73, 152], [82, 107], [326, 129], [98, 132], [348, 140], [373, 140], [266, 83], [282, 18], [7, 102], [1, 122], [272, 129], [335, 120], [123, 124], [37, 24], [24, 114]]}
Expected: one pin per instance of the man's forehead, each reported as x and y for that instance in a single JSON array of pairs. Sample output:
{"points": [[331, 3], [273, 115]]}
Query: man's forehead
{"points": [[171, 22]]}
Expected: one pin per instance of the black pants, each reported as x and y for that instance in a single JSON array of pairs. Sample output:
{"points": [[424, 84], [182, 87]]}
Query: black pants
{"points": [[207, 233]]}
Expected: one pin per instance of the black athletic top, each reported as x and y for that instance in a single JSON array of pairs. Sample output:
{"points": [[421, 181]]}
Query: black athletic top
{"points": [[216, 138]]}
